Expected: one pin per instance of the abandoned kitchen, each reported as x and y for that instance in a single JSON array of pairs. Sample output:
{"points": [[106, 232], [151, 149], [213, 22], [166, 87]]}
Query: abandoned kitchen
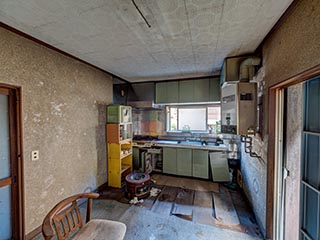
{"points": [[168, 119]]}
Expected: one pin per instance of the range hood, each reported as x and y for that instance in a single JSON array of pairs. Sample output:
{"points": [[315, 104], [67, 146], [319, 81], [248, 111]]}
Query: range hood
{"points": [[144, 104]]}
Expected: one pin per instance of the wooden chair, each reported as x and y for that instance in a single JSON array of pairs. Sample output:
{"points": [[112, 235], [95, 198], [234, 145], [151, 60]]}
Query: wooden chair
{"points": [[65, 219]]}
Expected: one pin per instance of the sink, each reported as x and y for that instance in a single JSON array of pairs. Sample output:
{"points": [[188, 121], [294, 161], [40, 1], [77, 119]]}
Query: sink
{"points": [[192, 144], [166, 142], [197, 143]]}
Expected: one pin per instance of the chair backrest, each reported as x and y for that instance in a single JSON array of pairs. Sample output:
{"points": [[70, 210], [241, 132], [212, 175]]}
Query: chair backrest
{"points": [[65, 217]]}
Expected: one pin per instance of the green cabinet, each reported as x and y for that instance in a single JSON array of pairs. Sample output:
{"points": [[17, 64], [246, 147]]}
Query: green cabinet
{"points": [[172, 92], [186, 89], [200, 164], [167, 92], [219, 166], [161, 92], [169, 160], [201, 90], [214, 89], [184, 162]]}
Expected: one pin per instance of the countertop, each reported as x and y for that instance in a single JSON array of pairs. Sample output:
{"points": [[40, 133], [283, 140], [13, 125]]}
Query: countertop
{"points": [[180, 144]]}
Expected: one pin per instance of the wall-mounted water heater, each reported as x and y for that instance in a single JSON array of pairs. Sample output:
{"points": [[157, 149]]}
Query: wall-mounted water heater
{"points": [[239, 108]]}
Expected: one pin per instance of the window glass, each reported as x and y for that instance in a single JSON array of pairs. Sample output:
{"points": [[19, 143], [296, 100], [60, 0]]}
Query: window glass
{"points": [[172, 118], [192, 119], [214, 117]]}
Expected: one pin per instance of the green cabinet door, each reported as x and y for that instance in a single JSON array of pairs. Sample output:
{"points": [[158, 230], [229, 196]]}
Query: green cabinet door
{"points": [[173, 92], [169, 160], [186, 91], [161, 92], [167, 92], [219, 166], [184, 161], [214, 90], [200, 164], [201, 90]]}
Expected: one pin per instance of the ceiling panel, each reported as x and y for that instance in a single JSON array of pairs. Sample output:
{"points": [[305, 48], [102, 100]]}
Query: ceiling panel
{"points": [[187, 38]]}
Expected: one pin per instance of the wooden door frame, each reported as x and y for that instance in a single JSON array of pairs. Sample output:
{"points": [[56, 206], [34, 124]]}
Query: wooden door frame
{"points": [[299, 78], [16, 158]]}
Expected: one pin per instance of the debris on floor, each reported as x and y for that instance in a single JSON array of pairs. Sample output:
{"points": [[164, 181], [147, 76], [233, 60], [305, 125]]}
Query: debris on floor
{"points": [[154, 192], [135, 201]]}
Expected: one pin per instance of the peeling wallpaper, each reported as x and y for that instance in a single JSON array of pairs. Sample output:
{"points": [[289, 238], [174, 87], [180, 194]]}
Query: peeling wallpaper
{"points": [[64, 115]]}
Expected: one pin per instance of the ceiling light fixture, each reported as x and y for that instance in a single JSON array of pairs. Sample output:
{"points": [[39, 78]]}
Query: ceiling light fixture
{"points": [[146, 21]]}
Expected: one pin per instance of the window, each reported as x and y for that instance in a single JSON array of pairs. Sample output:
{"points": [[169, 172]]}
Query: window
{"points": [[202, 118]]}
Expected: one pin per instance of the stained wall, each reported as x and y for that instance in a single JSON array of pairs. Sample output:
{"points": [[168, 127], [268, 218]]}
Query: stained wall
{"points": [[63, 111], [291, 49], [294, 128]]}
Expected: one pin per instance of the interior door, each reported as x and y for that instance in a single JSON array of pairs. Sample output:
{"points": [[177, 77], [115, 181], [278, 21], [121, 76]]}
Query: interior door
{"points": [[11, 213]]}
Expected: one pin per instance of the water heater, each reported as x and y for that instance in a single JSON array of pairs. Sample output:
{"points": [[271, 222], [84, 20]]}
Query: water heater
{"points": [[239, 108]]}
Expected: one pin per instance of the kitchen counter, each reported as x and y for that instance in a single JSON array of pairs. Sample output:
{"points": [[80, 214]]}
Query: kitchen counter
{"points": [[180, 144]]}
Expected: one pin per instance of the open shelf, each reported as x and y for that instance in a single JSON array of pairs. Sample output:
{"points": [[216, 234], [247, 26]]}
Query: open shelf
{"points": [[126, 141], [125, 168], [125, 155], [119, 140]]}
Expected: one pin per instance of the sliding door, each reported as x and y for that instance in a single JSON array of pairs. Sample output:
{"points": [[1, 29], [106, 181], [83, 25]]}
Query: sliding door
{"points": [[310, 187]]}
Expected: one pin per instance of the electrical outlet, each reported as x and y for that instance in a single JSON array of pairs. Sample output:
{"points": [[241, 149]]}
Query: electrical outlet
{"points": [[35, 155]]}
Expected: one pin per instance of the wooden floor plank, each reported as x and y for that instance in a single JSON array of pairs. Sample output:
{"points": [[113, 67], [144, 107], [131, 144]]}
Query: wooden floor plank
{"points": [[183, 204], [187, 183], [245, 214], [164, 202], [224, 209], [202, 209]]}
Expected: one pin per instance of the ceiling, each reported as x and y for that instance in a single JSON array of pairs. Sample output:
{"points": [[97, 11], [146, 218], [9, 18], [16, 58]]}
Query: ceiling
{"points": [[187, 38]]}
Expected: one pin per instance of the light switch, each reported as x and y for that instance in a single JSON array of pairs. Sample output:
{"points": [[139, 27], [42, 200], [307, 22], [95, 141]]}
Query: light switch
{"points": [[35, 155]]}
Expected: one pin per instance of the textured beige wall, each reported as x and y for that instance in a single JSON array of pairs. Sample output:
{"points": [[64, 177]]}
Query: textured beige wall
{"points": [[291, 49], [63, 116], [293, 160], [294, 47]]}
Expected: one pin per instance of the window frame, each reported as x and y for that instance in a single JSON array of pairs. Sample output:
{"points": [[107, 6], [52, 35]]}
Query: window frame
{"points": [[188, 106]]}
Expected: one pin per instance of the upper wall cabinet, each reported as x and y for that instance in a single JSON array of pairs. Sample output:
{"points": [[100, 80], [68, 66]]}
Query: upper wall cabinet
{"points": [[201, 90], [214, 90], [167, 92], [188, 91]]}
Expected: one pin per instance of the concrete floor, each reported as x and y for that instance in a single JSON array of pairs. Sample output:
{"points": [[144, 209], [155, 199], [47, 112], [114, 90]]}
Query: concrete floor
{"points": [[144, 224]]}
